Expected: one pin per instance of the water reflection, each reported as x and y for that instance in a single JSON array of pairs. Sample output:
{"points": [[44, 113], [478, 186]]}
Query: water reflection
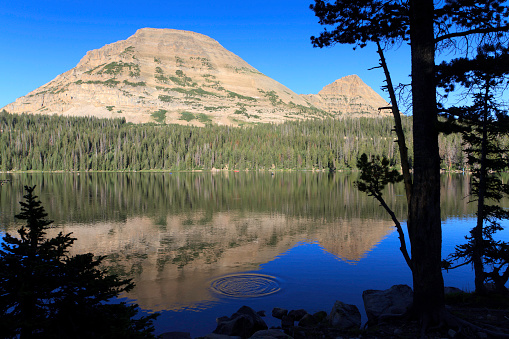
{"points": [[177, 233], [173, 265], [96, 197], [245, 285]]}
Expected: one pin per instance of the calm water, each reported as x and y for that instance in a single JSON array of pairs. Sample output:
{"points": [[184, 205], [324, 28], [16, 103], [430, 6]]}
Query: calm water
{"points": [[200, 245]]}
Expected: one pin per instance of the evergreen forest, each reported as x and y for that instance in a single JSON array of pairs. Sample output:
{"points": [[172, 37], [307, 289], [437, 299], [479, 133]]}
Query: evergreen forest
{"points": [[57, 143]]}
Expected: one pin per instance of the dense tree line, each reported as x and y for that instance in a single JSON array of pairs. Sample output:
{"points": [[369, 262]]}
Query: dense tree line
{"points": [[55, 143], [37, 142]]}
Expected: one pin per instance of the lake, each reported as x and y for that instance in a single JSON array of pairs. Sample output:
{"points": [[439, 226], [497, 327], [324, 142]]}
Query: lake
{"points": [[201, 245]]}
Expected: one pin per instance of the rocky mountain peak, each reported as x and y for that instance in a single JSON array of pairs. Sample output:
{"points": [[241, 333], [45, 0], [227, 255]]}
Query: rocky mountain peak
{"points": [[348, 95], [175, 76]]}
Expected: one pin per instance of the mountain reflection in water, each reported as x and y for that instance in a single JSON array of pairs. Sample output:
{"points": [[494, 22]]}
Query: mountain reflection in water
{"points": [[173, 267], [176, 234]]}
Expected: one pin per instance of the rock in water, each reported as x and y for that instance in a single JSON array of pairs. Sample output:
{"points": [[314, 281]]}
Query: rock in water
{"points": [[393, 302], [278, 313], [297, 315], [244, 323], [219, 336], [287, 321], [345, 316], [270, 334], [308, 321], [320, 315]]}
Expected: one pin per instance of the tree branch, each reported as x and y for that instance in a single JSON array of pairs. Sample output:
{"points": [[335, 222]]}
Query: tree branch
{"points": [[462, 264], [401, 235], [471, 31], [403, 150]]}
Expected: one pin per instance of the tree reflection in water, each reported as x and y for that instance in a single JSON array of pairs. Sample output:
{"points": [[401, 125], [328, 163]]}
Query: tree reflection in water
{"points": [[176, 233]]}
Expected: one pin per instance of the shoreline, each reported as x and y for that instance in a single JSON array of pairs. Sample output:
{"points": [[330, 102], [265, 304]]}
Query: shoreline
{"points": [[389, 315], [183, 171], [215, 170]]}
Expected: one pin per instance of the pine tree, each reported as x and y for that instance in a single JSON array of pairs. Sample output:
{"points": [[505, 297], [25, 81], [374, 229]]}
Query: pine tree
{"points": [[45, 293], [483, 121]]}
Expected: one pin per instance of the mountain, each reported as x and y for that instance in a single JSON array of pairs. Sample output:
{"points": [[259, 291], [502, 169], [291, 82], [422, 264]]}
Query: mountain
{"points": [[348, 95], [173, 76]]}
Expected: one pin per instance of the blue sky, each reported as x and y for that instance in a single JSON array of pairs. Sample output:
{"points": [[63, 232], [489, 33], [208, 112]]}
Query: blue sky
{"points": [[41, 39]]}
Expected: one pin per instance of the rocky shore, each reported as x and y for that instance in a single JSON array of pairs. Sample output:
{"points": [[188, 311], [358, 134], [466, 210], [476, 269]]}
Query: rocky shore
{"points": [[386, 311]]}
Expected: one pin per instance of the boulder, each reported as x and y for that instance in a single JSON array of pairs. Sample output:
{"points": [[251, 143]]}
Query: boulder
{"points": [[176, 335], [320, 315], [297, 314], [270, 334], [287, 321], [219, 336], [278, 313], [221, 319], [344, 316], [299, 333], [243, 323], [393, 302], [308, 321]]}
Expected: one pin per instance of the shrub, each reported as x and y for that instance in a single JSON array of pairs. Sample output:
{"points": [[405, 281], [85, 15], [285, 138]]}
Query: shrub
{"points": [[159, 115], [187, 116], [165, 98]]}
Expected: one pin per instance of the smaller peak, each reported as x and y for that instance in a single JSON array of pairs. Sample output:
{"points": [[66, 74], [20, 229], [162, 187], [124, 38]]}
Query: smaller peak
{"points": [[343, 83], [352, 77], [152, 30], [160, 31]]}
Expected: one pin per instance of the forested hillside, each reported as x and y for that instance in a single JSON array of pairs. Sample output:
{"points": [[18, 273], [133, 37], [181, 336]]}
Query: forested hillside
{"points": [[37, 142]]}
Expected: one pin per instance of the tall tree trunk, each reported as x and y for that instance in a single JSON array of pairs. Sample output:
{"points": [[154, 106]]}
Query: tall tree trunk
{"points": [[424, 227]]}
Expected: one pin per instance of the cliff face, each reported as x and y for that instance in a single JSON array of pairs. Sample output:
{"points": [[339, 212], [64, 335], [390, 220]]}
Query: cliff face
{"points": [[172, 76]]}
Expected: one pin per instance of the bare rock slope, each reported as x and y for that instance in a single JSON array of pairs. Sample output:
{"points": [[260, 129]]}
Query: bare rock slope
{"points": [[348, 96], [173, 76]]}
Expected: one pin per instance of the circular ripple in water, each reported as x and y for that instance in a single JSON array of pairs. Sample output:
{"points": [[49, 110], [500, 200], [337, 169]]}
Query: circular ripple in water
{"points": [[246, 285]]}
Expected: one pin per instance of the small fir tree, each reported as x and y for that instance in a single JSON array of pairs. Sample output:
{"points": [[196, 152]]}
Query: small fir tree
{"points": [[45, 293]]}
